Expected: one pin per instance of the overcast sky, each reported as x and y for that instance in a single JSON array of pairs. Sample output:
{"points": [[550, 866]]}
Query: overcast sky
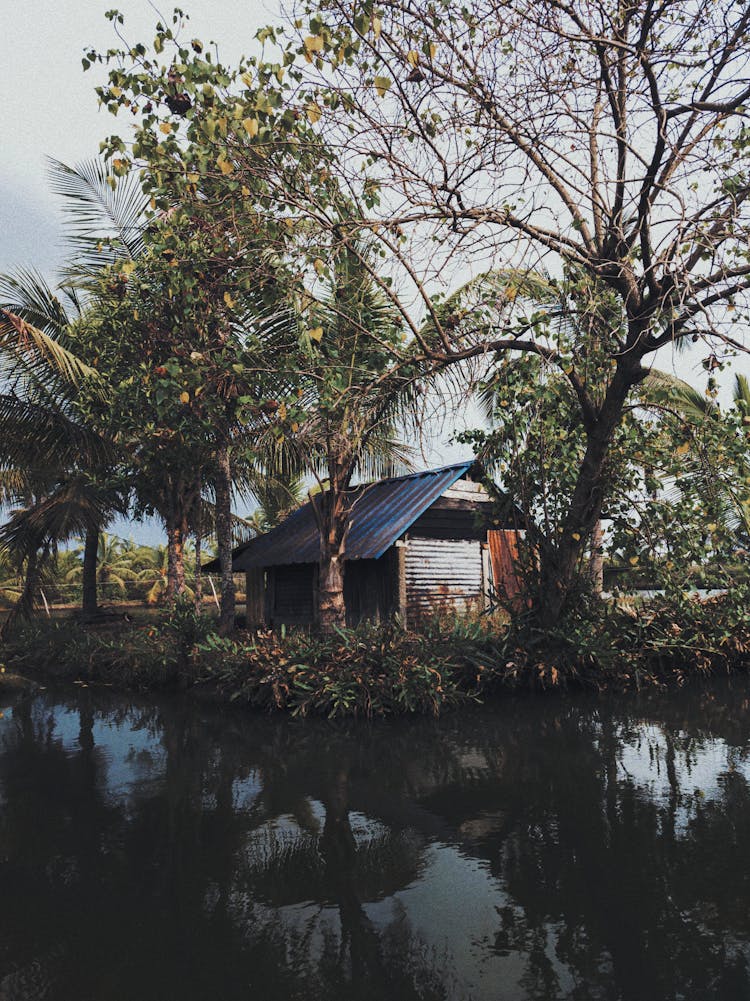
{"points": [[48, 108]]}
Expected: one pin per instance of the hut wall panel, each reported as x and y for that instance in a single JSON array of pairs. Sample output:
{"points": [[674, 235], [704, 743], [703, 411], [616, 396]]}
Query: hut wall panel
{"points": [[442, 573], [292, 594], [449, 524], [370, 589], [507, 578]]}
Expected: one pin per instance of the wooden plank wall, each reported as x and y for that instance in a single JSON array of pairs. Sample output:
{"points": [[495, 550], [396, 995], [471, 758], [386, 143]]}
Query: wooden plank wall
{"points": [[290, 594], [441, 573]]}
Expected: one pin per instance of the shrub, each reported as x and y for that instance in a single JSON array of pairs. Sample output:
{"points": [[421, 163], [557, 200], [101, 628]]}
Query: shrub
{"points": [[368, 671]]}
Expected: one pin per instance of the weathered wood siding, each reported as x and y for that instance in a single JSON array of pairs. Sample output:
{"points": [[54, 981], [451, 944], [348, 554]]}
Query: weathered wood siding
{"points": [[370, 592], [290, 594], [370, 589], [461, 513], [441, 573]]}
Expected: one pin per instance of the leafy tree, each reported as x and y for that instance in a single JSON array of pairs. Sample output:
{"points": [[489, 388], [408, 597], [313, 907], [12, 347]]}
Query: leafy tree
{"points": [[606, 138], [217, 263], [234, 164]]}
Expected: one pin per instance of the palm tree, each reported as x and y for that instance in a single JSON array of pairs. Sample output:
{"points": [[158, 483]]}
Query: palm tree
{"points": [[115, 564], [675, 395], [56, 467], [11, 583], [359, 388], [62, 465]]}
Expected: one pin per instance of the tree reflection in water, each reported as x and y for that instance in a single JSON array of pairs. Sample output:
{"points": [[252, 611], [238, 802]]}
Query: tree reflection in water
{"points": [[539, 850]]}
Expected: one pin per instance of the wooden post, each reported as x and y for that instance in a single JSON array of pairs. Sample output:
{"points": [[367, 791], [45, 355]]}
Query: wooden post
{"points": [[486, 577], [316, 595], [255, 592], [402, 596], [213, 589], [270, 596]]}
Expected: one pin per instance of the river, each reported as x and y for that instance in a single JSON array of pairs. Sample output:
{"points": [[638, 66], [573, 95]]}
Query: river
{"points": [[540, 848]]}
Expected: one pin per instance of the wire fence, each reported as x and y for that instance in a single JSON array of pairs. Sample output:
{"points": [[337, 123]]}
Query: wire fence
{"points": [[149, 592]]}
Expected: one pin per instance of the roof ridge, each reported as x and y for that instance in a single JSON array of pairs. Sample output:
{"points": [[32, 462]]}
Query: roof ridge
{"points": [[468, 463]]}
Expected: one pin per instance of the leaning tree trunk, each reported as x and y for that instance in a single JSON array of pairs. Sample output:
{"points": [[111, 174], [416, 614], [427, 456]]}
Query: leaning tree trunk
{"points": [[596, 559], [224, 540], [559, 563], [90, 603]]}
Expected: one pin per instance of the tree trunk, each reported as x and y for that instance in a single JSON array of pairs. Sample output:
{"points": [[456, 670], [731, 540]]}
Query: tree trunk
{"points": [[198, 589], [333, 514], [559, 563], [90, 603], [224, 540], [175, 560], [332, 607], [596, 560]]}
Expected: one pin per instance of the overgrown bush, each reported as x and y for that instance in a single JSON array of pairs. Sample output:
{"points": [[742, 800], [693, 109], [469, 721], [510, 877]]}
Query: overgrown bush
{"points": [[368, 671], [139, 657], [637, 641]]}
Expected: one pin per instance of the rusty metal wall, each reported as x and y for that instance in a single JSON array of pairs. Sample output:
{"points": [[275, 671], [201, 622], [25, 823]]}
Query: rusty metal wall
{"points": [[441, 573], [503, 545]]}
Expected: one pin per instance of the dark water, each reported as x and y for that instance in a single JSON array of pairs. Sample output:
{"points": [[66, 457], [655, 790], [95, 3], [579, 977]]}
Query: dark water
{"points": [[541, 849]]}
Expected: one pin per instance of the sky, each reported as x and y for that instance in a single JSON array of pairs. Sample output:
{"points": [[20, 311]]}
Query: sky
{"points": [[48, 108]]}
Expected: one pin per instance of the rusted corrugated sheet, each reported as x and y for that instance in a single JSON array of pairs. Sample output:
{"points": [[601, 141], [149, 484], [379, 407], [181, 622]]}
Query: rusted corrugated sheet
{"points": [[503, 545], [381, 513], [441, 572]]}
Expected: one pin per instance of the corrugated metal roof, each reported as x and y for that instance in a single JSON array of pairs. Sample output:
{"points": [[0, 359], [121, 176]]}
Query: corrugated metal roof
{"points": [[381, 513]]}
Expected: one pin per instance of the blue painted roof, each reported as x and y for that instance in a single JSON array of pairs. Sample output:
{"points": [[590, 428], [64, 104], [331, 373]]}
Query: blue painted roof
{"points": [[381, 512]]}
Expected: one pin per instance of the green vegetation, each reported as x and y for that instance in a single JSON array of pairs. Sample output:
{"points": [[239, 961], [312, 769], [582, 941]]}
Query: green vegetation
{"points": [[375, 671]]}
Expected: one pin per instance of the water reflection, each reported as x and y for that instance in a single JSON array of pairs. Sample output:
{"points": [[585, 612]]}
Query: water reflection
{"points": [[539, 850]]}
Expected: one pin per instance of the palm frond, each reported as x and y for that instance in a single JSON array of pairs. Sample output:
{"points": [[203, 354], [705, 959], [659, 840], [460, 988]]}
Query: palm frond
{"points": [[104, 222], [65, 513], [488, 302], [16, 486], [36, 438], [665, 389], [741, 394], [32, 346], [27, 293]]}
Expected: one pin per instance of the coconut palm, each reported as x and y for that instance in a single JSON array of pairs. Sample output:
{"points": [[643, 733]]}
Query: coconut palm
{"points": [[359, 388], [676, 395], [56, 467], [60, 465], [115, 564], [11, 583]]}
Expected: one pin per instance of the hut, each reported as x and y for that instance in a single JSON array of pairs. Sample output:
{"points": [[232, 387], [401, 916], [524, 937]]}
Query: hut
{"points": [[416, 544]]}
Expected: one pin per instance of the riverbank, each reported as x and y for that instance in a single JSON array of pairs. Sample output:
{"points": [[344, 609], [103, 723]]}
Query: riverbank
{"points": [[376, 671]]}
